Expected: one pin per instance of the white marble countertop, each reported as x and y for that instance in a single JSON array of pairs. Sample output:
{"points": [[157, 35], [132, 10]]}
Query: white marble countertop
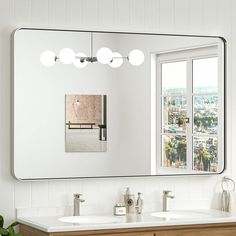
{"points": [[52, 224]]}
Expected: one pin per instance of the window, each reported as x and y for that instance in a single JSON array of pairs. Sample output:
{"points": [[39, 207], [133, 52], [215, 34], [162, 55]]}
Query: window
{"points": [[190, 111]]}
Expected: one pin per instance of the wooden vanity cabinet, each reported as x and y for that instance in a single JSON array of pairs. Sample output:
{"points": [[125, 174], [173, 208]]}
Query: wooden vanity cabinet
{"points": [[223, 229]]}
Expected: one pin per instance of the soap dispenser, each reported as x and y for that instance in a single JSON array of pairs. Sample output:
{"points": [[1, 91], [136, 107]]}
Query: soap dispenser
{"points": [[130, 201]]}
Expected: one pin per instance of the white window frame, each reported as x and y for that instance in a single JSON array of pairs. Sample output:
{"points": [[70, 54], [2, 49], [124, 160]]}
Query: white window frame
{"points": [[188, 55]]}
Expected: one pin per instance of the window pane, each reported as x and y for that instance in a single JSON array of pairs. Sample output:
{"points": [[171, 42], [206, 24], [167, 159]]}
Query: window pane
{"points": [[174, 77], [205, 154], [205, 75], [174, 114], [174, 151], [206, 114]]}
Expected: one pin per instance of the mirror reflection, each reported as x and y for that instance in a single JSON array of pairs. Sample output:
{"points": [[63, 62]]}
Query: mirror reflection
{"points": [[86, 129], [190, 93], [103, 104]]}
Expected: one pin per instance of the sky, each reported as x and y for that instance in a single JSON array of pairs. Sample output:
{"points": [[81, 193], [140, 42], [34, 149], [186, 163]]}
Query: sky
{"points": [[205, 73]]}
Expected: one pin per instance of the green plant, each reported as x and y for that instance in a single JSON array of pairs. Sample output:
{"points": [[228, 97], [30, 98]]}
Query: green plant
{"points": [[9, 231]]}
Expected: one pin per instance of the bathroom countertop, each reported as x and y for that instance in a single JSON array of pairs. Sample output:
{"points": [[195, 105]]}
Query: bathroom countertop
{"points": [[52, 224]]}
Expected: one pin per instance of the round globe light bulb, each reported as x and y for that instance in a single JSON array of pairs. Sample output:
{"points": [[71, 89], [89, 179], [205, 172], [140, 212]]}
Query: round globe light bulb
{"points": [[136, 57], [67, 56], [48, 58], [117, 60], [104, 55], [77, 62]]}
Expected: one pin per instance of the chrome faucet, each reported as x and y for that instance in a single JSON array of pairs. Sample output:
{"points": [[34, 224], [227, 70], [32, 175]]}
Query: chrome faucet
{"points": [[77, 201], [166, 194]]}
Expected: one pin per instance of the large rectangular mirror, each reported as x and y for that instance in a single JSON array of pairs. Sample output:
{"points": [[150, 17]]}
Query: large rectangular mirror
{"points": [[100, 104]]}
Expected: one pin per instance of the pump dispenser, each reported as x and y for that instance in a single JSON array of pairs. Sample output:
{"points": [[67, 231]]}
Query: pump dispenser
{"points": [[139, 204], [130, 201]]}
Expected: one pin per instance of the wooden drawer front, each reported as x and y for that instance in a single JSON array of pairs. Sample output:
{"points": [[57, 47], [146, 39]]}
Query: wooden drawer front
{"points": [[102, 234], [29, 231], [129, 234], [191, 230], [227, 231]]}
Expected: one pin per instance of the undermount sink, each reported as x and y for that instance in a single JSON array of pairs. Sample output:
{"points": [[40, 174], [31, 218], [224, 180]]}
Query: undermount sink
{"points": [[181, 214], [90, 219]]}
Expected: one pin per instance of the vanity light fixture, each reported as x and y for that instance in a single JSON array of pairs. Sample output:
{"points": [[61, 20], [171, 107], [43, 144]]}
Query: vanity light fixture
{"points": [[104, 56]]}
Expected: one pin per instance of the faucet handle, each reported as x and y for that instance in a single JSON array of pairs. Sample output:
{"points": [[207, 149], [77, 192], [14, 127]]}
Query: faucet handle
{"points": [[77, 196], [167, 191]]}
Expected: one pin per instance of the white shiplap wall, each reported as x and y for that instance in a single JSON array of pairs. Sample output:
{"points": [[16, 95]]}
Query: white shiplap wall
{"points": [[210, 17]]}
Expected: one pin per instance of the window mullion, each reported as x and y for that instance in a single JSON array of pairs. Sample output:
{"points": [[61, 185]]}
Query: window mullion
{"points": [[189, 138], [159, 148]]}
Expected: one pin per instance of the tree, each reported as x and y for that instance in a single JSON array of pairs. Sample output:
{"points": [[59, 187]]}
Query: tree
{"points": [[169, 151], [181, 150], [204, 157], [197, 121]]}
